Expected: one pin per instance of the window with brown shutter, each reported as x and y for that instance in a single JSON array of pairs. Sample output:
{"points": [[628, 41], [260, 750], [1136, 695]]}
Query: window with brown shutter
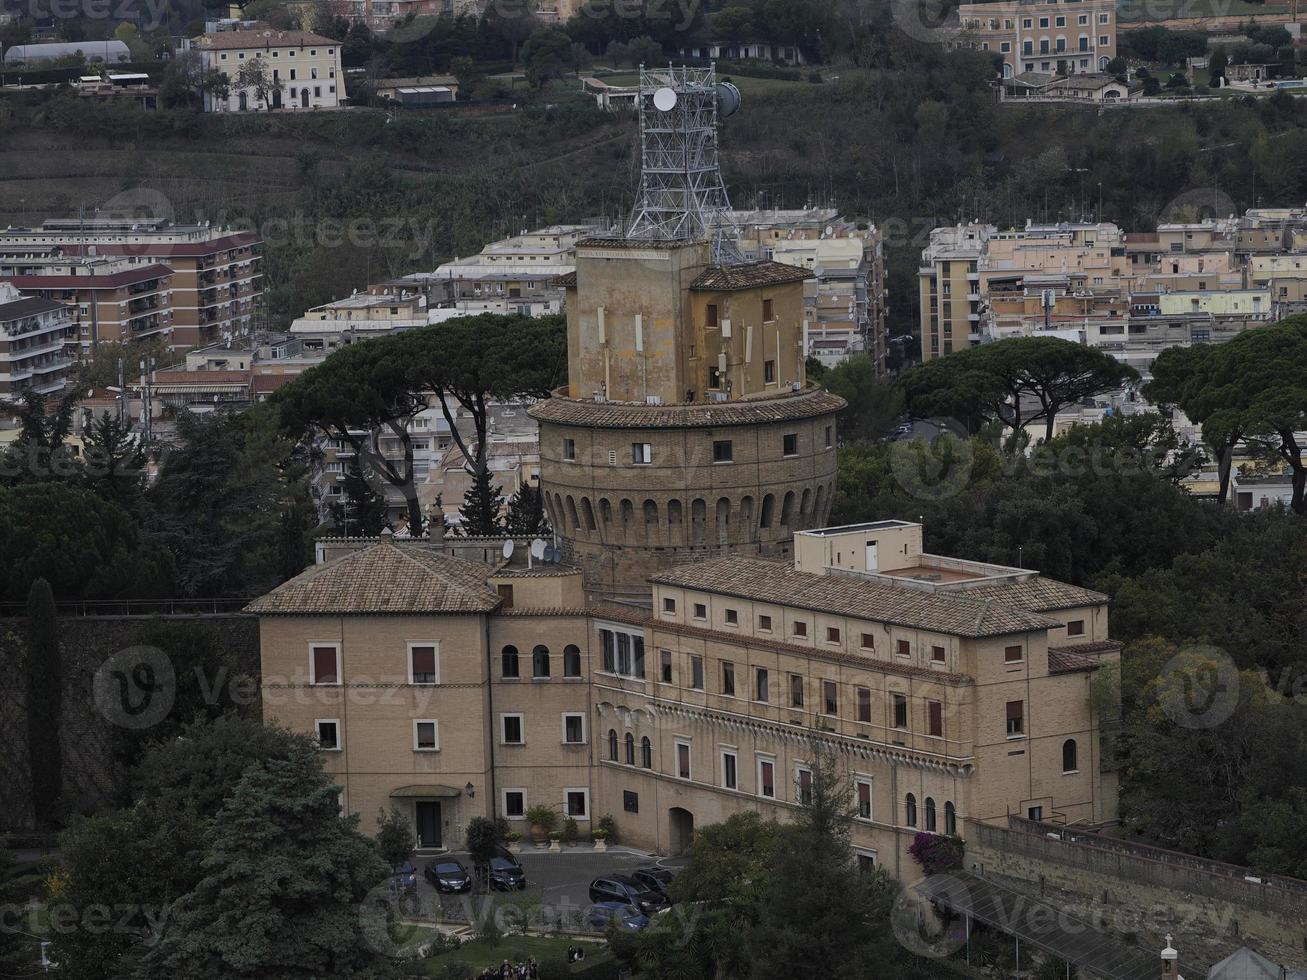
{"points": [[505, 594], [864, 704], [424, 664], [1013, 655], [905, 648], [900, 711], [937, 655], [864, 800], [805, 787], [829, 690], [868, 641], [324, 666], [1075, 628], [1016, 717], [935, 714], [796, 691]]}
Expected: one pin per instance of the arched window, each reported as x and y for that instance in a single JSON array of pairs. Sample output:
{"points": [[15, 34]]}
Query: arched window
{"points": [[768, 505], [673, 512], [723, 520], [612, 744], [1069, 761], [605, 511], [698, 520], [630, 749], [508, 662], [819, 513], [910, 810], [571, 660], [628, 512], [746, 513], [787, 509], [806, 502], [650, 514], [950, 819], [571, 513], [540, 662], [588, 512], [646, 753], [930, 814]]}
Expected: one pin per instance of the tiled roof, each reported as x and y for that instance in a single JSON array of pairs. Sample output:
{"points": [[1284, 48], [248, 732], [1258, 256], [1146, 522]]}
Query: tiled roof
{"points": [[632, 243], [260, 38], [1074, 657], [27, 306], [766, 273], [809, 403], [208, 246], [765, 580], [640, 617], [1040, 595], [111, 280], [566, 281], [387, 577]]}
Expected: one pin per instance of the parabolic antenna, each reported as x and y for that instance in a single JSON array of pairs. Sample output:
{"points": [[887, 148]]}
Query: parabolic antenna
{"points": [[508, 549], [665, 99], [538, 549], [728, 99]]}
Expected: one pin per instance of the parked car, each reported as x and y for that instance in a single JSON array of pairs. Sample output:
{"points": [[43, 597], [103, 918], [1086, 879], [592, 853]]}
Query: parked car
{"points": [[448, 875], [655, 879], [628, 891], [626, 917], [505, 873], [404, 878]]}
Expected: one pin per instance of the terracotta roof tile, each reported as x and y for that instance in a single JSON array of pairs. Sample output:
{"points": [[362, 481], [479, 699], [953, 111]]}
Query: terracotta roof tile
{"points": [[766, 273], [804, 404], [631, 243], [1079, 656], [1040, 595], [765, 580], [385, 578], [566, 281], [263, 37]]}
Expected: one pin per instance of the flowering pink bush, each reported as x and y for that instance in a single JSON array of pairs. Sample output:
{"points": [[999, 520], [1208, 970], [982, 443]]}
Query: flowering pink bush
{"points": [[936, 853]]}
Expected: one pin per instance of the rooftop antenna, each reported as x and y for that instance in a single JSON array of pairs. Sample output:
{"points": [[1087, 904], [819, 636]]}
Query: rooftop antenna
{"points": [[681, 195]]}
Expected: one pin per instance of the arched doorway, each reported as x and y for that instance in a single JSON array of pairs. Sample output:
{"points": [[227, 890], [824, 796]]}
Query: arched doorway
{"points": [[681, 830], [304, 97]]}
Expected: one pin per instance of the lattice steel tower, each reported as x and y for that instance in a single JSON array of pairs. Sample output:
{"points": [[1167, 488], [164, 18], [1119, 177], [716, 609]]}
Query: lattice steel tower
{"points": [[682, 196]]}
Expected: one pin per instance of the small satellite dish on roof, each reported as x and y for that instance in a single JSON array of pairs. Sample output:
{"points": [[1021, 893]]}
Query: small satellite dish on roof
{"points": [[508, 549], [665, 99], [551, 553], [538, 548]]}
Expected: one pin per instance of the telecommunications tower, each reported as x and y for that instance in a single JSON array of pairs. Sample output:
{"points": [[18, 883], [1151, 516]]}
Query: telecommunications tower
{"points": [[682, 196]]}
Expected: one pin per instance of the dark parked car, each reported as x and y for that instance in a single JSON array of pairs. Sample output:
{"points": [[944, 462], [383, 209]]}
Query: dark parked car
{"points": [[626, 917], [505, 873], [448, 875], [655, 879], [404, 878], [628, 891]]}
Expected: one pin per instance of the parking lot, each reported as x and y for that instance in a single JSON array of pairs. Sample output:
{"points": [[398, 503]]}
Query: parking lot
{"points": [[557, 885]]}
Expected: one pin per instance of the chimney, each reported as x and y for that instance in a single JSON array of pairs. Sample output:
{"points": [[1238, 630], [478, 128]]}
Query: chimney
{"points": [[1169, 958]]}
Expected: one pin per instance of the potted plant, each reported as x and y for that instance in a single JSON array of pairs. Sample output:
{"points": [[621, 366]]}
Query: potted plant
{"points": [[554, 837], [514, 841], [600, 838], [542, 820], [570, 830]]}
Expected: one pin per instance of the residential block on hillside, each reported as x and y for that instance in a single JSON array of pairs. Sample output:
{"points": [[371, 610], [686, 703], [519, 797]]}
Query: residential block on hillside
{"points": [[302, 68]]}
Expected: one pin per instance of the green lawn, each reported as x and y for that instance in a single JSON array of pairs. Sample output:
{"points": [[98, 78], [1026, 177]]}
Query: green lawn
{"points": [[746, 84], [478, 954]]}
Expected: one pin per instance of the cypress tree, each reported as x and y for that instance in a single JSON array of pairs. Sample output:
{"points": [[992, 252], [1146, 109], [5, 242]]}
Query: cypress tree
{"points": [[482, 505]]}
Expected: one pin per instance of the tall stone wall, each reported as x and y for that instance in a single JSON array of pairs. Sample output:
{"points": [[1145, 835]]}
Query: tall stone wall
{"points": [[92, 779]]}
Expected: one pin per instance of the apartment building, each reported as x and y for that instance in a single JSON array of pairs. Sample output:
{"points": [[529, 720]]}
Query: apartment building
{"points": [[947, 689], [34, 334], [215, 273], [1065, 38], [360, 317], [302, 68]]}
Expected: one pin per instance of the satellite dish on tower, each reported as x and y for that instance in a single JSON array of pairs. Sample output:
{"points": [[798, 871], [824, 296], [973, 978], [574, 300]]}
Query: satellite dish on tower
{"points": [[508, 549], [728, 99], [538, 548], [664, 99]]}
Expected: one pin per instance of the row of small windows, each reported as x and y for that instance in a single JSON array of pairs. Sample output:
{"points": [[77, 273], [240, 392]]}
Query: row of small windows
{"points": [[510, 662], [642, 453], [931, 821], [810, 506], [646, 749]]}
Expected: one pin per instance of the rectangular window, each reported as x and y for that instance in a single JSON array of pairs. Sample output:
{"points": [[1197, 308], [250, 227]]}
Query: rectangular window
{"points": [[621, 653], [832, 634], [768, 311], [505, 595], [1075, 628], [728, 680], [790, 443], [732, 617], [868, 641], [641, 452], [830, 705], [710, 315], [796, 691], [863, 787], [729, 774], [769, 372], [803, 785], [515, 803], [669, 605], [863, 697], [325, 663], [1013, 655], [767, 778], [328, 730], [936, 655], [665, 656], [830, 435], [426, 736], [761, 686], [696, 672], [630, 801], [800, 628], [904, 648], [722, 451], [1104, 41], [764, 624], [682, 759], [700, 611], [576, 803], [573, 728], [935, 719], [900, 711], [422, 664], [512, 729], [1016, 718], [569, 449]]}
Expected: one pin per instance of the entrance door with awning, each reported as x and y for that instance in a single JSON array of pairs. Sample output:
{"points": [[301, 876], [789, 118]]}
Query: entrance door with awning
{"points": [[428, 814]]}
